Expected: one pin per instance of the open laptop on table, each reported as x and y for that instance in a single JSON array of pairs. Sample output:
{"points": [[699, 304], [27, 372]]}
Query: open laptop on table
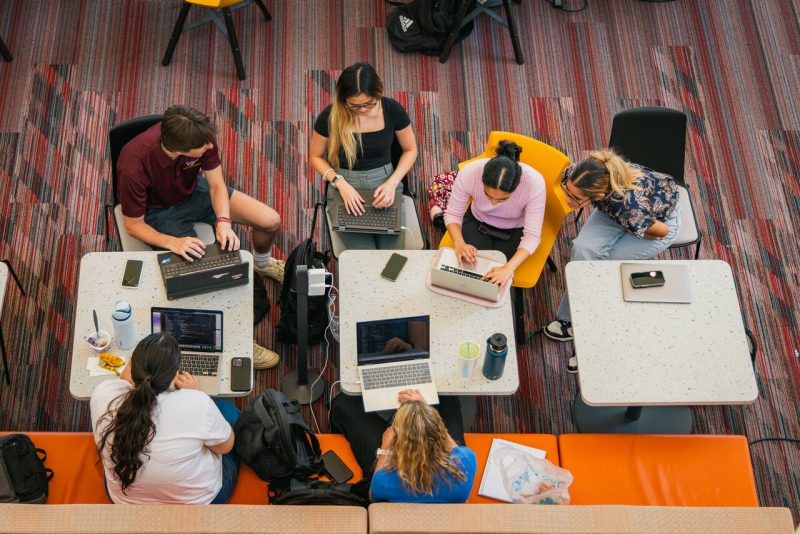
{"points": [[199, 334], [466, 278], [393, 355], [372, 221]]}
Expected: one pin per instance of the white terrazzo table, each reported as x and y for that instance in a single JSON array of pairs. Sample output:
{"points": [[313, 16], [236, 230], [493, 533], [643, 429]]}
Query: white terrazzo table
{"points": [[655, 354], [100, 286], [365, 296]]}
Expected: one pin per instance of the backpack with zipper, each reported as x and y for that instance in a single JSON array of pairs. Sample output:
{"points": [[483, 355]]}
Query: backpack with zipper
{"points": [[274, 440], [319, 492], [23, 477], [423, 25]]}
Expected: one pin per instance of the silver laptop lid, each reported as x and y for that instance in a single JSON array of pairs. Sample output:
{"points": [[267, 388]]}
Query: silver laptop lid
{"points": [[195, 330]]}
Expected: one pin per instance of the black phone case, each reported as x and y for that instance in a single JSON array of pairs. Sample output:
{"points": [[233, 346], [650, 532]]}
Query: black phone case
{"points": [[240, 374], [336, 468]]}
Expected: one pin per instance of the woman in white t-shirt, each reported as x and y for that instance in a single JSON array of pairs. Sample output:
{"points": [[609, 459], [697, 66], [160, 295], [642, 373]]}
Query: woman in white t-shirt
{"points": [[161, 444]]}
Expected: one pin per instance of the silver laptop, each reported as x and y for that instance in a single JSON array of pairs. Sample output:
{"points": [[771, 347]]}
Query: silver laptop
{"points": [[676, 288], [372, 221], [466, 278], [199, 334], [393, 355]]}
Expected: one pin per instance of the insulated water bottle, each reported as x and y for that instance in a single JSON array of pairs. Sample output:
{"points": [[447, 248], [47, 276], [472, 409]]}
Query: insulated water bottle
{"points": [[495, 359], [124, 329]]}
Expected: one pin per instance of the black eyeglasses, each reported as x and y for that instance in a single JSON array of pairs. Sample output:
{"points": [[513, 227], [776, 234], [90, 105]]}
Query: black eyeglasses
{"points": [[578, 201], [367, 105]]}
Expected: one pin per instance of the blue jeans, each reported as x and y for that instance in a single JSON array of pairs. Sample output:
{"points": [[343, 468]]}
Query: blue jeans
{"points": [[230, 461], [178, 220], [601, 238]]}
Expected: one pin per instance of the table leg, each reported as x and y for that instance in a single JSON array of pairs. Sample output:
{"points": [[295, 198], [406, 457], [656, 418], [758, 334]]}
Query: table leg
{"points": [[632, 419]]}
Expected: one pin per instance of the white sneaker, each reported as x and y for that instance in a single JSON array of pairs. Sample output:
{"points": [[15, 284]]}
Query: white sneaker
{"points": [[263, 358], [273, 269]]}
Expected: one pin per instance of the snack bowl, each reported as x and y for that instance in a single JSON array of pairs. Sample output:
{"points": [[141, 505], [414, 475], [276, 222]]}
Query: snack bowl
{"points": [[99, 341]]}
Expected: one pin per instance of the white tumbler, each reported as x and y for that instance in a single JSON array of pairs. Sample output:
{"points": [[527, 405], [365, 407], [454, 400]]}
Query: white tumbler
{"points": [[124, 329]]}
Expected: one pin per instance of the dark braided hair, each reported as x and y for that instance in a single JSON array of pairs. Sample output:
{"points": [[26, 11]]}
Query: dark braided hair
{"points": [[503, 171], [154, 363]]}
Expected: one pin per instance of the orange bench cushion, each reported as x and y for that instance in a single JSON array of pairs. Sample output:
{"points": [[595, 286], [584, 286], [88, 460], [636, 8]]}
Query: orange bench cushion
{"points": [[481, 443], [654, 470], [78, 471]]}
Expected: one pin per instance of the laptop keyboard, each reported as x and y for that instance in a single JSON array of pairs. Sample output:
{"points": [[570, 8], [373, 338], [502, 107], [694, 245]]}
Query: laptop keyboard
{"points": [[372, 217], [396, 375], [200, 364], [202, 264], [461, 272]]}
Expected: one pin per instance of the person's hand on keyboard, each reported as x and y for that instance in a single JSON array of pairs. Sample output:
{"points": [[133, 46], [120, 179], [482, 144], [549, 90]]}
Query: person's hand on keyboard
{"points": [[227, 238], [383, 196], [353, 202], [466, 254], [188, 247], [498, 275], [184, 380]]}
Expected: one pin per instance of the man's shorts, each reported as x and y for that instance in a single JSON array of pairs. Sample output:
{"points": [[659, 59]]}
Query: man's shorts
{"points": [[178, 220]]}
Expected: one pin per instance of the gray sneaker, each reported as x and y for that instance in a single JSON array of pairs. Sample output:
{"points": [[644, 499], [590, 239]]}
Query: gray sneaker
{"points": [[559, 330]]}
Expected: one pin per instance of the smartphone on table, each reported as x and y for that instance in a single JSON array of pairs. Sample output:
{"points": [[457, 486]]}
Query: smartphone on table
{"points": [[393, 267], [133, 272], [647, 279], [336, 468], [241, 372]]}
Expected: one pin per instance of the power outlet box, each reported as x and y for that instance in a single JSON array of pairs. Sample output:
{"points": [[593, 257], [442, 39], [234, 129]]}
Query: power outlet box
{"points": [[316, 282]]}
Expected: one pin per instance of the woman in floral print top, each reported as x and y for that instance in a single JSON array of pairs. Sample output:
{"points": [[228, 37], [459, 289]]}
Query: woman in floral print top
{"points": [[637, 216]]}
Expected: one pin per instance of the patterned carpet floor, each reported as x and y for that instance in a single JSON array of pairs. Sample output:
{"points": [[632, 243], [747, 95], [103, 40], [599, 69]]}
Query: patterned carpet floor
{"points": [[733, 66]]}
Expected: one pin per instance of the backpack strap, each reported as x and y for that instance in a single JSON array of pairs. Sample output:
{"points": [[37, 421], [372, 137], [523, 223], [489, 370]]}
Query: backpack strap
{"points": [[317, 207]]}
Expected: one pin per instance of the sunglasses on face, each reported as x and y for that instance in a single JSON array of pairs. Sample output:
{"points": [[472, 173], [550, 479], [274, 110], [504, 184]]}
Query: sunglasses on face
{"points": [[367, 105]]}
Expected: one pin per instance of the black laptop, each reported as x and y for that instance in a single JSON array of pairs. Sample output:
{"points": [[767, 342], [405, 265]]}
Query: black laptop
{"points": [[217, 269], [372, 221]]}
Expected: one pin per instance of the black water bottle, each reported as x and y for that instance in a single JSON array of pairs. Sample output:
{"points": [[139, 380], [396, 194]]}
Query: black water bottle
{"points": [[495, 359]]}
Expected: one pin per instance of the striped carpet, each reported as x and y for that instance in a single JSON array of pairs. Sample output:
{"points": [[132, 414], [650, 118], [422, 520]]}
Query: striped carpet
{"points": [[733, 66]]}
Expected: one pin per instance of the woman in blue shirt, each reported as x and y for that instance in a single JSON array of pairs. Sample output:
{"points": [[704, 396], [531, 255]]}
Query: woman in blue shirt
{"points": [[442, 473], [636, 217]]}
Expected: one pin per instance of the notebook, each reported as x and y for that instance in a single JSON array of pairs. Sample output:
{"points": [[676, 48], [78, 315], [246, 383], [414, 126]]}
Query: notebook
{"points": [[676, 288], [448, 274], [392, 355], [492, 481], [199, 334], [372, 221]]}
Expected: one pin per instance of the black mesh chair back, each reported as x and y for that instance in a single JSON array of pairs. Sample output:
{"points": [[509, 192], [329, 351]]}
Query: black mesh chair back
{"points": [[119, 136], [652, 137]]}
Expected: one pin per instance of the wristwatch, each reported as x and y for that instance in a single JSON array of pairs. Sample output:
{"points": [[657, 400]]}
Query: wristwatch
{"points": [[382, 452], [335, 179]]}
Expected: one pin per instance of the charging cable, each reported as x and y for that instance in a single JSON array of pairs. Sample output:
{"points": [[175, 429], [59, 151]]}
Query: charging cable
{"points": [[413, 239], [331, 299]]}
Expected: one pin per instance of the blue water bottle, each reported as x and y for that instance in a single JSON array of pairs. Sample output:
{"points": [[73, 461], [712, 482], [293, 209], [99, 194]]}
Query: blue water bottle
{"points": [[495, 359], [124, 329]]}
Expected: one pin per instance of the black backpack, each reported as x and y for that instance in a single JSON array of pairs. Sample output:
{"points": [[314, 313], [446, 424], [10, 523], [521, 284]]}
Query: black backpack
{"points": [[422, 25], [318, 492], [260, 300], [304, 254], [274, 440], [23, 476]]}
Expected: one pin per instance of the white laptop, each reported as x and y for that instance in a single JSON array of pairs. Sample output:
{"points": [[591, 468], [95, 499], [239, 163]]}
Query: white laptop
{"points": [[393, 355], [199, 334], [466, 278], [676, 288]]}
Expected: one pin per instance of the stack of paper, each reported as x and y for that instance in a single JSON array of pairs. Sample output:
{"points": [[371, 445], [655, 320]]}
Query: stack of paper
{"points": [[492, 481]]}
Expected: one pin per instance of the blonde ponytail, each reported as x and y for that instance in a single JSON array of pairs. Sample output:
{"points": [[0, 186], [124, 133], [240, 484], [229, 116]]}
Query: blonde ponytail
{"points": [[342, 136], [621, 175]]}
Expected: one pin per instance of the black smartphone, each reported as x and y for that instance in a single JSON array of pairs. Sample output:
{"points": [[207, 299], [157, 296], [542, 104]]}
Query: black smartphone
{"points": [[133, 271], [393, 267], [647, 279], [336, 468], [241, 371]]}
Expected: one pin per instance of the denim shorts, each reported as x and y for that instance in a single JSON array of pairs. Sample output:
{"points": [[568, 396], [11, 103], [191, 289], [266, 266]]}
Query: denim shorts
{"points": [[178, 220]]}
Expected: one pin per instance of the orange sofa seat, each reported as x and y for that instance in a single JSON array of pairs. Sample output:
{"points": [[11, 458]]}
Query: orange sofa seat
{"points": [[694, 470], [79, 479], [481, 443]]}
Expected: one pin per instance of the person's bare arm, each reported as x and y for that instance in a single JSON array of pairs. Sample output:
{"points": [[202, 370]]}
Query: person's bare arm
{"points": [[188, 247], [221, 203], [657, 231], [224, 448], [353, 202], [384, 193]]}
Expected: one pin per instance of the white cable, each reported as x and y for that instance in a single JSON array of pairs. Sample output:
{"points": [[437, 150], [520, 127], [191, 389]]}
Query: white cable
{"points": [[413, 239]]}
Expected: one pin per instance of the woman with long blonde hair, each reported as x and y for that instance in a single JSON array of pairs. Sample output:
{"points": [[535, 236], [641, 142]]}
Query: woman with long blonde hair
{"points": [[351, 148], [416, 459], [636, 217]]}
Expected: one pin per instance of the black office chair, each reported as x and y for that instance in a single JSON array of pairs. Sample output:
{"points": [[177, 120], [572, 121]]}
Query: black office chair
{"points": [[118, 137], [2, 339], [217, 8], [656, 138], [462, 18]]}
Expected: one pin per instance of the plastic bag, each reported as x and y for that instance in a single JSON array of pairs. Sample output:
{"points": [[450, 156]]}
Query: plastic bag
{"points": [[530, 480]]}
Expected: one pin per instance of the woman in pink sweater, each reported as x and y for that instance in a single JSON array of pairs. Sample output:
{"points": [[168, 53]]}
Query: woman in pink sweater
{"points": [[506, 212]]}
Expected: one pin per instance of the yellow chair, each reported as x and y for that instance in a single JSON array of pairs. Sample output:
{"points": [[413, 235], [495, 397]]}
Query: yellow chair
{"points": [[223, 7], [550, 162]]}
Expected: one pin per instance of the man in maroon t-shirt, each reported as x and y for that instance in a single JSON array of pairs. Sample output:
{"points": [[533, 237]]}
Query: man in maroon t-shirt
{"points": [[170, 177]]}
